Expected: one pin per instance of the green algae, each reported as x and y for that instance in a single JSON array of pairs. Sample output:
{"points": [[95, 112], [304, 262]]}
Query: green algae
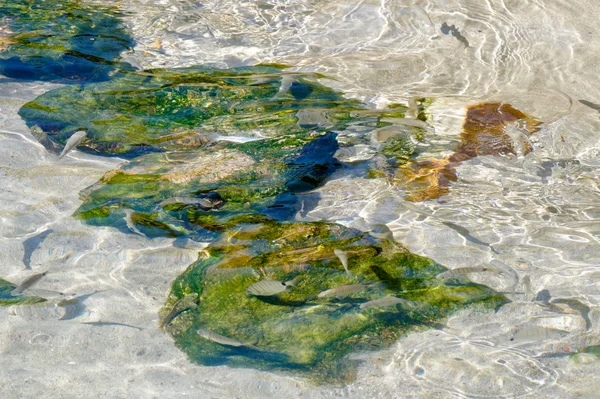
{"points": [[247, 179], [66, 41], [159, 110], [296, 330]]}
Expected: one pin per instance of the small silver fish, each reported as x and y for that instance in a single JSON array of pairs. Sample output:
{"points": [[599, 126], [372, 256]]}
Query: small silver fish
{"points": [[269, 287], [410, 122], [186, 303], [345, 290], [387, 301], [293, 282], [260, 80], [130, 224], [313, 117], [73, 142], [526, 286], [27, 283], [382, 231], [220, 339], [579, 306], [203, 202], [343, 257], [42, 293], [536, 333], [461, 271], [286, 83], [235, 139]]}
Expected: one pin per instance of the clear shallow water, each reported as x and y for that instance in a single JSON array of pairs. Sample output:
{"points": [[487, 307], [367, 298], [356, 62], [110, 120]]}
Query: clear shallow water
{"points": [[535, 213]]}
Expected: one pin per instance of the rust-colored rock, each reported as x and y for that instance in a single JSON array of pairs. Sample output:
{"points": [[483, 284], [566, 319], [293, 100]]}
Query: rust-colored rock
{"points": [[485, 132]]}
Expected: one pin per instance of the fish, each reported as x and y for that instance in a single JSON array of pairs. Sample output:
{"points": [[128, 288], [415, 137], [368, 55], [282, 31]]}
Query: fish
{"points": [[109, 323], [579, 306], [27, 283], [73, 142], [461, 271], [233, 139], [260, 80], [504, 270], [345, 290], [41, 293], [536, 333], [203, 202], [269, 287], [131, 224], [286, 84], [188, 302], [382, 231], [293, 282], [593, 106], [408, 122], [343, 257], [31, 244], [465, 233], [453, 30], [42, 138], [387, 301], [526, 285], [220, 339]]}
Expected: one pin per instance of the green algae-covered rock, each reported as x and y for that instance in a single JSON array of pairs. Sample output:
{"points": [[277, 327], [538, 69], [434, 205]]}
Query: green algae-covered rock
{"points": [[297, 330], [175, 109], [67, 41], [203, 192], [236, 178]]}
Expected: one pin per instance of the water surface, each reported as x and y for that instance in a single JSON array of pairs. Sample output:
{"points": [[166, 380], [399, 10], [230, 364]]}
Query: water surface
{"points": [[527, 209]]}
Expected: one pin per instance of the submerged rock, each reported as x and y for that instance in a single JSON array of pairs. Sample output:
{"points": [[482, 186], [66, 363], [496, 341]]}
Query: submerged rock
{"points": [[171, 109], [245, 181], [302, 330], [489, 129]]}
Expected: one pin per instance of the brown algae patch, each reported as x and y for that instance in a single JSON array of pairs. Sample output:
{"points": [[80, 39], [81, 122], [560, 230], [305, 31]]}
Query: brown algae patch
{"points": [[489, 129]]}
